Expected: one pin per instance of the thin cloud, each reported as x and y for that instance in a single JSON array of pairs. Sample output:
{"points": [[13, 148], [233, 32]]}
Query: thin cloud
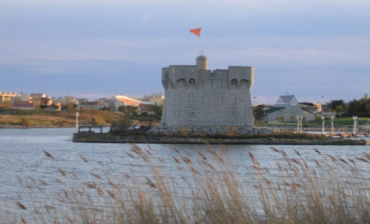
{"points": [[292, 44]]}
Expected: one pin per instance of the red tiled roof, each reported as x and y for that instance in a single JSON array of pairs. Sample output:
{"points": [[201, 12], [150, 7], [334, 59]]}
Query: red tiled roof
{"points": [[44, 100], [90, 103], [22, 104]]}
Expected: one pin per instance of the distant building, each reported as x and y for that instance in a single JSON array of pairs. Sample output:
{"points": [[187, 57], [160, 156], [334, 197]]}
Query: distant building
{"points": [[58, 105], [128, 101], [23, 105], [24, 97], [103, 101], [46, 101], [66, 100], [39, 100], [114, 104], [156, 98], [8, 97], [37, 95], [94, 105], [286, 107], [311, 107], [81, 100]]}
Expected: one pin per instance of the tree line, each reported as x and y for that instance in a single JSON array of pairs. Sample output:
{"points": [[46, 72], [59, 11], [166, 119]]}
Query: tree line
{"points": [[359, 107]]}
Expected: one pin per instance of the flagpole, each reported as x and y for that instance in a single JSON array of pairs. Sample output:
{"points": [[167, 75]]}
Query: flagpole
{"points": [[201, 45]]}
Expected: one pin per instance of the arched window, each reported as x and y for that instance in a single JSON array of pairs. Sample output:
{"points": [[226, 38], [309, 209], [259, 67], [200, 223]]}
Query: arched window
{"points": [[181, 83]]}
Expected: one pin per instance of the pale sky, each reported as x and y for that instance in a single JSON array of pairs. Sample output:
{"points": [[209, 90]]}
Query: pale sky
{"points": [[318, 50]]}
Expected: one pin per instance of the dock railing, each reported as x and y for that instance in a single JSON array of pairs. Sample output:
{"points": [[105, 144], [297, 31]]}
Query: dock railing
{"points": [[91, 127]]}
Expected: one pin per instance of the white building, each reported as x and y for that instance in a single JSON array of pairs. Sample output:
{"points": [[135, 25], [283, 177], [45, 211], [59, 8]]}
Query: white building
{"points": [[103, 101], [67, 99], [8, 97], [115, 104], [287, 107], [156, 98], [24, 97], [94, 105]]}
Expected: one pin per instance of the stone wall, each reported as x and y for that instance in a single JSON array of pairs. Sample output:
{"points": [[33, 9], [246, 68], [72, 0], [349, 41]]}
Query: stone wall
{"points": [[188, 130]]}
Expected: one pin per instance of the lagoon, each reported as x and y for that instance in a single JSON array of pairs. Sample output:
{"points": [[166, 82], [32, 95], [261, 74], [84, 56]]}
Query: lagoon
{"points": [[22, 157]]}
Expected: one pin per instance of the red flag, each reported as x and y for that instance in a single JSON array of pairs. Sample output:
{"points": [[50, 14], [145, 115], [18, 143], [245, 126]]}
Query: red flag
{"points": [[196, 31]]}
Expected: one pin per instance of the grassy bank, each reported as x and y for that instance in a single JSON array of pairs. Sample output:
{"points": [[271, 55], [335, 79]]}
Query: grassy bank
{"points": [[207, 188], [67, 118], [340, 121]]}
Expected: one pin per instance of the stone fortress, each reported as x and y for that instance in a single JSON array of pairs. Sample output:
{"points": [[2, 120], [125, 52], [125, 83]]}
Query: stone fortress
{"points": [[205, 101]]}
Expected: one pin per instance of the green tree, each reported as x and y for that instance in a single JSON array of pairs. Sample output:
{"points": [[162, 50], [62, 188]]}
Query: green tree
{"points": [[94, 121], [333, 104], [36, 103], [359, 106], [258, 112], [157, 110], [69, 104], [339, 109], [129, 110], [123, 123]]}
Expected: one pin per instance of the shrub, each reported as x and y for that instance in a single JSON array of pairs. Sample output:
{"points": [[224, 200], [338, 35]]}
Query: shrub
{"points": [[94, 120], [123, 124], [97, 120], [25, 122]]}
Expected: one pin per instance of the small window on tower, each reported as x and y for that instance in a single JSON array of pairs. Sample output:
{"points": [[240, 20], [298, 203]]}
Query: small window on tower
{"points": [[234, 81], [191, 80]]}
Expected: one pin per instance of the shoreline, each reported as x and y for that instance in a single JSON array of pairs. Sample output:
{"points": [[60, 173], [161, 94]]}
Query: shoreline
{"points": [[256, 140], [251, 140], [224, 142], [33, 127]]}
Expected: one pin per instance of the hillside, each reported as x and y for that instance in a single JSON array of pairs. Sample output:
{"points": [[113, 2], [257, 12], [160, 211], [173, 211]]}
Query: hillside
{"points": [[66, 118]]}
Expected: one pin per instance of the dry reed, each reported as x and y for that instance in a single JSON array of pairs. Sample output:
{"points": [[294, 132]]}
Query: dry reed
{"points": [[206, 188]]}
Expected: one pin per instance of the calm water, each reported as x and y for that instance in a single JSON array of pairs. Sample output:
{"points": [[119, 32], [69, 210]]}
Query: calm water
{"points": [[21, 155]]}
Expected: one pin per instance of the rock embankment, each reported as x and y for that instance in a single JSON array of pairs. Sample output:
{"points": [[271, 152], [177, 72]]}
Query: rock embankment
{"points": [[160, 130]]}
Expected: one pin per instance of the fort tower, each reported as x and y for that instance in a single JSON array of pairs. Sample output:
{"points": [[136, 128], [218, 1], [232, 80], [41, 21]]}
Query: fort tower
{"points": [[198, 97]]}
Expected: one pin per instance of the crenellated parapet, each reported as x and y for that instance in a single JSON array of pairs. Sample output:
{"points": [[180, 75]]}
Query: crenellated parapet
{"points": [[187, 76]]}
